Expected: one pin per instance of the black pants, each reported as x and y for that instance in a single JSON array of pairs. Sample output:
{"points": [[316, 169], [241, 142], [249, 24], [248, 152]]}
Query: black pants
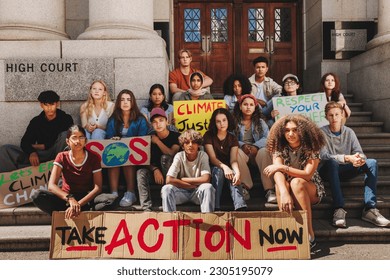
{"points": [[49, 202]]}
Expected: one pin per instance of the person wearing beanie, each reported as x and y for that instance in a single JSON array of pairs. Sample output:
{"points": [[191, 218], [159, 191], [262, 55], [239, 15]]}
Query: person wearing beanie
{"points": [[44, 138]]}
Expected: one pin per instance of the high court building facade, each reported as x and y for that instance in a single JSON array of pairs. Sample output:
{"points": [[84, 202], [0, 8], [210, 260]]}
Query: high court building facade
{"points": [[64, 45]]}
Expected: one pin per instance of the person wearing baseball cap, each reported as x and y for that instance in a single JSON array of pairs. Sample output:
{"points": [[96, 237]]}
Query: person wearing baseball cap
{"points": [[44, 137], [165, 145]]}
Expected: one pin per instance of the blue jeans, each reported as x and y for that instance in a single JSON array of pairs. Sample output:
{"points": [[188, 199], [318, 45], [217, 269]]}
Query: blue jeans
{"points": [[332, 171], [218, 180], [98, 134], [203, 195]]}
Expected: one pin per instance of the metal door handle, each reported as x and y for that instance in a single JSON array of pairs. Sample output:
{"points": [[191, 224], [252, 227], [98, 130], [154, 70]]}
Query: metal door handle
{"points": [[272, 44], [267, 44], [208, 44], [204, 44]]}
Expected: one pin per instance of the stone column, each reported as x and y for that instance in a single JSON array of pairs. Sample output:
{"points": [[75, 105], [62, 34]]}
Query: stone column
{"points": [[383, 35], [120, 19], [32, 20]]}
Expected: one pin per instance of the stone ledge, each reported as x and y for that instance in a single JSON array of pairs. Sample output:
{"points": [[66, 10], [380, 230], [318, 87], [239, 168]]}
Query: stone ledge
{"points": [[30, 49]]}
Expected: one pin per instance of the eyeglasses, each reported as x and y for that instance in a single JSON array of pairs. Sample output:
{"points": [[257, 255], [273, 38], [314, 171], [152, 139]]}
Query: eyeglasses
{"points": [[81, 138], [292, 83]]}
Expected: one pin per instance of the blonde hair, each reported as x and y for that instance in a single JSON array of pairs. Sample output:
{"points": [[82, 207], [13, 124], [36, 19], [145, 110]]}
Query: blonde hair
{"points": [[90, 103], [180, 52]]}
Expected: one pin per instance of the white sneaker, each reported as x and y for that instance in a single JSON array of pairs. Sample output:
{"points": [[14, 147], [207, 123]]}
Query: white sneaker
{"points": [[128, 199], [373, 216], [271, 196], [115, 194], [339, 218]]}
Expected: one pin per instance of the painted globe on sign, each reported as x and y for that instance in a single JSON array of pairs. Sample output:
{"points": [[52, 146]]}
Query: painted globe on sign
{"points": [[115, 154]]}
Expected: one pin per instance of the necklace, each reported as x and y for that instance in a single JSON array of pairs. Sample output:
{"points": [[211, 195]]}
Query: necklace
{"points": [[222, 142]]}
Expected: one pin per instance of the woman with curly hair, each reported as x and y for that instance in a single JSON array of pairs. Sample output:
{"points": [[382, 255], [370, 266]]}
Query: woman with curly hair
{"points": [[233, 87], [330, 84], [295, 143], [252, 133], [94, 113]]}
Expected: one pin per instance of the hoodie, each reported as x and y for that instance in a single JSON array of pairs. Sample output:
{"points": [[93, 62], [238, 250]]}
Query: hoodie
{"points": [[337, 147]]}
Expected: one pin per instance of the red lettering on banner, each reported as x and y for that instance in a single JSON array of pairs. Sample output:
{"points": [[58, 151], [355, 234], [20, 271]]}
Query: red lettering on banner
{"points": [[179, 111], [134, 148], [141, 235], [98, 145], [245, 242], [209, 235], [175, 231], [126, 240], [197, 252]]}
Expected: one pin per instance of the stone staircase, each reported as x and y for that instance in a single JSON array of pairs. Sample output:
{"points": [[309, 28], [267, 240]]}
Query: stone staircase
{"points": [[26, 228]]}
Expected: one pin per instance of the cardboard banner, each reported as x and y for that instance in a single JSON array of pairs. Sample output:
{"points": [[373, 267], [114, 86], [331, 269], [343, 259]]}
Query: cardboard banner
{"points": [[126, 151], [181, 235], [311, 105], [195, 114], [17, 187]]}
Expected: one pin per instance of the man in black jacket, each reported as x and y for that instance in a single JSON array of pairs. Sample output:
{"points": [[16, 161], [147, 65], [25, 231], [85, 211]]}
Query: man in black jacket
{"points": [[44, 137]]}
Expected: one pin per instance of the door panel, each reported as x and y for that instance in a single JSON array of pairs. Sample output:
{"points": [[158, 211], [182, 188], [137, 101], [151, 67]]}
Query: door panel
{"points": [[222, 44], [207, 33], [270, 31]]}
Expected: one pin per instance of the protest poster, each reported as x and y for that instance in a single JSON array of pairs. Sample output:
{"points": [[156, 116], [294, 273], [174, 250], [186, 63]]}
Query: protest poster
{"points": [[195, 114], [126, 151], [180, 235], [311, 105], [17, 187]]}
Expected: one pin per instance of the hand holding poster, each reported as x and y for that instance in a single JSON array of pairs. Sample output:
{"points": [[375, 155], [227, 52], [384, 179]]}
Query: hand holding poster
{"points": [[195, 114], [311, 105]]}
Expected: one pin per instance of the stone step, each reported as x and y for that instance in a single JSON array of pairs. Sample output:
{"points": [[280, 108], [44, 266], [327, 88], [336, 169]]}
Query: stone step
{"points": [[383, 167], [377, 151], [366, 127], [359, 117], [25, 238], [355, 186], [357, 231], [355, 107], [373, 138], [349, 98]]}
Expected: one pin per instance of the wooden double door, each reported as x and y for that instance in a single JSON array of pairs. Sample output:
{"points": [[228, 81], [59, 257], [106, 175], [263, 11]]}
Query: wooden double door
{"points": [[225, 36]]}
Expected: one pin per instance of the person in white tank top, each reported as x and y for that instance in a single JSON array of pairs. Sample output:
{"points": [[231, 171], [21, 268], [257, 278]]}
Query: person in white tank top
{"points": [[95, 112]]}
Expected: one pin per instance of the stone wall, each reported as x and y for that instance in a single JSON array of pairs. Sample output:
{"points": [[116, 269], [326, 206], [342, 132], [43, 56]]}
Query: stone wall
{"points": [[315, 13], [29, 66]]}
